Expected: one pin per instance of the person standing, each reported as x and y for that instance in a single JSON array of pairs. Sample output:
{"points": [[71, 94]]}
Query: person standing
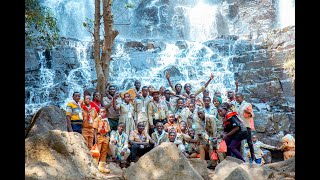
{"points": [[126, 112], [112, 114], [234, 129], [89, 114], [74, 114], [140, 105], [101, 135], [96, 103], [244, 110]]}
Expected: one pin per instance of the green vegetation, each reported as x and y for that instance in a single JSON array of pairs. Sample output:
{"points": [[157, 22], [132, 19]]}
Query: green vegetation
{"points": [[40, 25]]}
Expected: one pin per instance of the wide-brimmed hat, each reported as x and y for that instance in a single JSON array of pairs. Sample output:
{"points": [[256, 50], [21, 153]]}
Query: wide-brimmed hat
{"points": [[152, 91]]}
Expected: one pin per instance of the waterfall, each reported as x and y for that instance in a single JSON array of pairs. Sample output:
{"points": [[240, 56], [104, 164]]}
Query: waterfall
{"points": [[55, 87], [70, 15], [203, 22], [286, 13], [189, 61]]}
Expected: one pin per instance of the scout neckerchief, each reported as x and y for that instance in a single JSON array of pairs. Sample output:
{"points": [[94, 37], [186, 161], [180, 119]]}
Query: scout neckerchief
{"points": [[103, 127], [87, 109], [96, 106], [140, 136], [159, 137], [120, 139]]}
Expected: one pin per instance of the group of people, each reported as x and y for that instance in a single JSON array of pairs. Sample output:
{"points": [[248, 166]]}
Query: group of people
{"points": [[125, 126]]}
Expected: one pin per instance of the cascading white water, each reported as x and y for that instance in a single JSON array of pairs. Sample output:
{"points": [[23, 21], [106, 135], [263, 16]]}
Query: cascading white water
{"points": [[70, 15], [203, 22], [77, 80], [38, 96], [194, 63], [286, 13]]}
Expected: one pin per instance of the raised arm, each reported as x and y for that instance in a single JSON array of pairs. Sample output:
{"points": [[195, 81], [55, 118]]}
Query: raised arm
{"points": [[211, 77], [114, 101], [168, 78], [237, 84]]}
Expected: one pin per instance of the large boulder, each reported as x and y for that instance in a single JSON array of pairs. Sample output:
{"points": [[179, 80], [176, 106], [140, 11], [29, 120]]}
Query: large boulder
{"points": [[230, 169], [200, 166], [281, 170], [162, 162], [46, 119], [238, 174], [226, 166], [59, 155]]}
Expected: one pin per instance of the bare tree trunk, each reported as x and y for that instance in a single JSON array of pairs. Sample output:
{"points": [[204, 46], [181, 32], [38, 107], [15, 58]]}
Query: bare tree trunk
{"points": [[109, 36], [102, 63], [96, 46]]}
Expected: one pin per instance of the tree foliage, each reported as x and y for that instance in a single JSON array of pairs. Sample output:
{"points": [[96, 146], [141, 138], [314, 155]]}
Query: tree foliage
{"points": [[40, 25]]}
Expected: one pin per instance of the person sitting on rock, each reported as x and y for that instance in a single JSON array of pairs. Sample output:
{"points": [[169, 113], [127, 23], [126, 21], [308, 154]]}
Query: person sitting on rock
{"points": [[101, 135], [74, 114], [192, 146], [89, 114], [288, 145], [234, 130], [160, 135], [205, 125], [118, 146], [140, 142], [257, 145], [171, 122]]}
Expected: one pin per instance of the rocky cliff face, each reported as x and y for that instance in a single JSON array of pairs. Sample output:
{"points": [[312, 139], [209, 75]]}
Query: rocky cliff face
{"points": [[266, 84]]}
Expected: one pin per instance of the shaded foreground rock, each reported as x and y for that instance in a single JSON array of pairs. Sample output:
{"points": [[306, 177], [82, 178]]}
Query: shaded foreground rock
{"points": [[282, 169], [200, 166], [238, 174], [59, 155], [229, 169], [46, 119], [162, 162]]}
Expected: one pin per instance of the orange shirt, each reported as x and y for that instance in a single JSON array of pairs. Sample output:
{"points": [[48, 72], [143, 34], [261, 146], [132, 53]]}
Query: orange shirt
{"points": [[89, 114], [102, 125], [168, 126]]}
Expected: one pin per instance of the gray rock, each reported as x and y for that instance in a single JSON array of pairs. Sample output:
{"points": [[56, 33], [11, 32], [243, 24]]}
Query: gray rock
{"points": [[238, 174], [267, 156], [59, 154], [46, 119], [200, 166], [162, 162], [32, 60]]}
